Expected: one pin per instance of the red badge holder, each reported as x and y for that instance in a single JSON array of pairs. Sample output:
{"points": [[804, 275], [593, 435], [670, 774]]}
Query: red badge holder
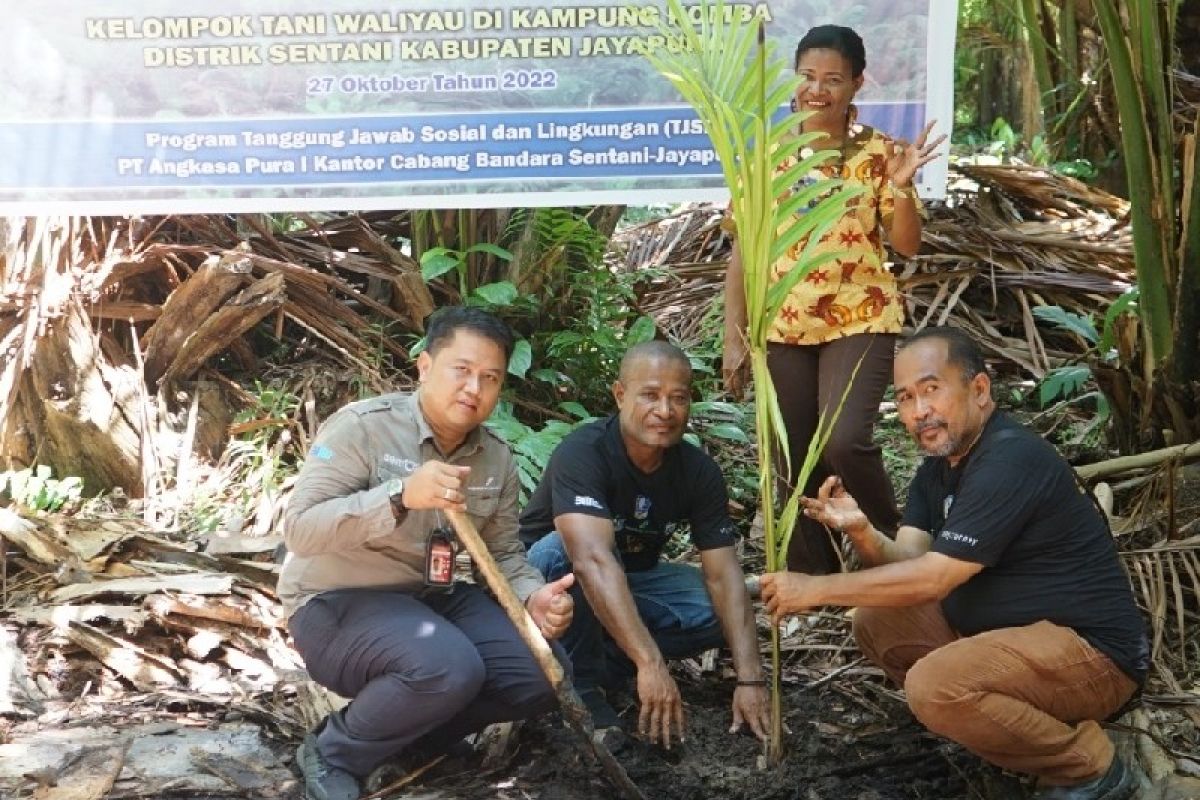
{"points": [[440, 550]]}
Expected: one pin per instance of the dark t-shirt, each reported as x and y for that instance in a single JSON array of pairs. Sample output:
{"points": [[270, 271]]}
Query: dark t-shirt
{"points": [[590, 473], [1013, 505]]}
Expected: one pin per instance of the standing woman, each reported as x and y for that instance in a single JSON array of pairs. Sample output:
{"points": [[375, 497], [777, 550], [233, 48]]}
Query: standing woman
{"points": [[848, 308]]}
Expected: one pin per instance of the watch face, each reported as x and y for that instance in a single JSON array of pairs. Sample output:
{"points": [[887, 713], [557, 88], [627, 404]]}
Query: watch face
{"points": [[394, 487]]}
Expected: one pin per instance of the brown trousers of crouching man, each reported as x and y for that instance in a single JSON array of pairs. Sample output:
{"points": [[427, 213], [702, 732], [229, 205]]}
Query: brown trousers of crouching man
{"points": [[1026, 699]]}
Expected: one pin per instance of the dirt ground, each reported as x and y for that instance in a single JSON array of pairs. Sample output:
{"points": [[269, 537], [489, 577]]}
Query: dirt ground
{"points": [[851, 736], [852, 743], [850, 739]]}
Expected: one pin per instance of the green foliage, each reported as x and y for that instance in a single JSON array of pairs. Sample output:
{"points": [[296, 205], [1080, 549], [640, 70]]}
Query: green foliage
{"points": [[1002, 141], [1127, 303], [1142, 58], [532, 447], [1068, 381], [1079, 325], [274, 406], [1064, 382], [602, 322], [259, 458], [544, 237], [502, 293], [437, 261], [522, 358], [36, 490], [737, 84]]}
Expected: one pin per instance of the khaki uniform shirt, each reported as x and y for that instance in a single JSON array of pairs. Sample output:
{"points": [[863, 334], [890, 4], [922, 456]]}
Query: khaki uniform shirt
{"points": [[339, 527]]}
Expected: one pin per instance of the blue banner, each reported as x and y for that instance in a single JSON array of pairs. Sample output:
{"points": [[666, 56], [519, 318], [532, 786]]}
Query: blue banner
{"points": [[303, 105]]}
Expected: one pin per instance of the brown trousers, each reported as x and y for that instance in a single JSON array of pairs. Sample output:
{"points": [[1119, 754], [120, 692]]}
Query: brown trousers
{"points": [[1026, 699], [810, 380]]}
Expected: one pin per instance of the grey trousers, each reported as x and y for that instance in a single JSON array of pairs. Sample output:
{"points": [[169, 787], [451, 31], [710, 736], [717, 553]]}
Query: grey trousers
{"points": [[431, 667]]}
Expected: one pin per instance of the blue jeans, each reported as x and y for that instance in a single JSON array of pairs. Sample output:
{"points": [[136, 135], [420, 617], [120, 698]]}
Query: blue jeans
{"points": [[671, 599]]}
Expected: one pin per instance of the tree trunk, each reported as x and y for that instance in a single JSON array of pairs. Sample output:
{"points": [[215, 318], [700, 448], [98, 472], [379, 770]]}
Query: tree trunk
{"points": [[83, 412]]}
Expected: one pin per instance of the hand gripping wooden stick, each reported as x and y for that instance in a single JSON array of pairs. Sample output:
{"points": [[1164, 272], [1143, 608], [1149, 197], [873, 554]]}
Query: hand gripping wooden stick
{"points": [[577, 716]]}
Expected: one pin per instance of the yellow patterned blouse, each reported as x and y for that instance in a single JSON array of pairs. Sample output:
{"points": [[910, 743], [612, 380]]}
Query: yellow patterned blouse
{"points": [[854, 292]]}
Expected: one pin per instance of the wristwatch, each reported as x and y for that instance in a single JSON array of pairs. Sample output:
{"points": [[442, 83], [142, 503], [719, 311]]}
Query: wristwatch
{"points": [[395, 492]]}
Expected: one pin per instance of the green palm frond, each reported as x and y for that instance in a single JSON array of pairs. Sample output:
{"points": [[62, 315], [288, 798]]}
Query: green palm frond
{"points": [[730, 76]]}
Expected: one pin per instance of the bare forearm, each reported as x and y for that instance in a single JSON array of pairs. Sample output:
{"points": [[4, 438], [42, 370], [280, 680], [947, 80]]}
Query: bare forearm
{"points": [[874, 548], [905, 233], [904, 583], [732, 604], [607, 591]]}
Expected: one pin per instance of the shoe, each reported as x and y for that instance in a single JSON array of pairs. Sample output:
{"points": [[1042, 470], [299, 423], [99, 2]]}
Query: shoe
{"points": [[1118, 783], [322, 781], [430, 760], [603, 714], [421, 753]]}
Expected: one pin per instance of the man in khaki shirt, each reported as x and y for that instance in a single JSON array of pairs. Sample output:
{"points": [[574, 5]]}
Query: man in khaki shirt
{"points": [[422, 663]]}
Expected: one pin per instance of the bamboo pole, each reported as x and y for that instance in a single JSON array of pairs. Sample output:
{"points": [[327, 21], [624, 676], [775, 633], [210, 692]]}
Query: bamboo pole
{"points": [[576, 715]]}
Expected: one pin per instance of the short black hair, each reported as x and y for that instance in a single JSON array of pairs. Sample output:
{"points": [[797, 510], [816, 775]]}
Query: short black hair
{"points": [[961, 350], [442, 324], [655, 348], [838, 38]]}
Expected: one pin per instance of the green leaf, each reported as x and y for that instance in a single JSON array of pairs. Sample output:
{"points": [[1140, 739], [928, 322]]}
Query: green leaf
{"points": [[717, 407], [575, 409], [1070, 321], [522, 358], [501, 293], [437, 261], [642, 330], [727, 430], [485, 247], [566, 339], [1126, 303], [551, 376], [1063, 382]]}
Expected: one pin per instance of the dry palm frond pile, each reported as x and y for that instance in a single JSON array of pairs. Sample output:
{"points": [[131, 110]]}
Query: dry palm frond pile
{"points": [[126, 631], [116, 334]]}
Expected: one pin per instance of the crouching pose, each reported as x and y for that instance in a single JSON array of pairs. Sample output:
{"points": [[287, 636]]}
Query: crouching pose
{"points": [[424, 664], [1001, 607], [612, 495]]}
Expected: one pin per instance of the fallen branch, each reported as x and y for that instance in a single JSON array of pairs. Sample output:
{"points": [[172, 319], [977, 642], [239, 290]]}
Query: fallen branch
{"points": [[1180, 453]]}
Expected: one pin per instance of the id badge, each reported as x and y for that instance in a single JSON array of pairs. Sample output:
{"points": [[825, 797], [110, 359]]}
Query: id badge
{"points": [[439, 559]]}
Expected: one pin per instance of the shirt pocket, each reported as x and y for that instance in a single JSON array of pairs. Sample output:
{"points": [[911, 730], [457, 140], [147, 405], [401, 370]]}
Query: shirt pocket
{"points": [[482, 502]]}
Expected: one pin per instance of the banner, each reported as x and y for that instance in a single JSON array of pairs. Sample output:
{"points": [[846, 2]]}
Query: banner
{"points": [[144, 107]]}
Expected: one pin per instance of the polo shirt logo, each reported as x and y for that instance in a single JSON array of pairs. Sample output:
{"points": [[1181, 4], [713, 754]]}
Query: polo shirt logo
{"points": [[406, 464], [641, 507]]}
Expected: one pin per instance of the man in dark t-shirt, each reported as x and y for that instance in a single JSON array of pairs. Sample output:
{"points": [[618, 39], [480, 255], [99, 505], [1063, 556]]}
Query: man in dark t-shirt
{"points": [[614, 492], [1001, 605]]}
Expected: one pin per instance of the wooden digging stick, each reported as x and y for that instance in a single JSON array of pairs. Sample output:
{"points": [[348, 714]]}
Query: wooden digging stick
{"points": [[577, 716]]}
